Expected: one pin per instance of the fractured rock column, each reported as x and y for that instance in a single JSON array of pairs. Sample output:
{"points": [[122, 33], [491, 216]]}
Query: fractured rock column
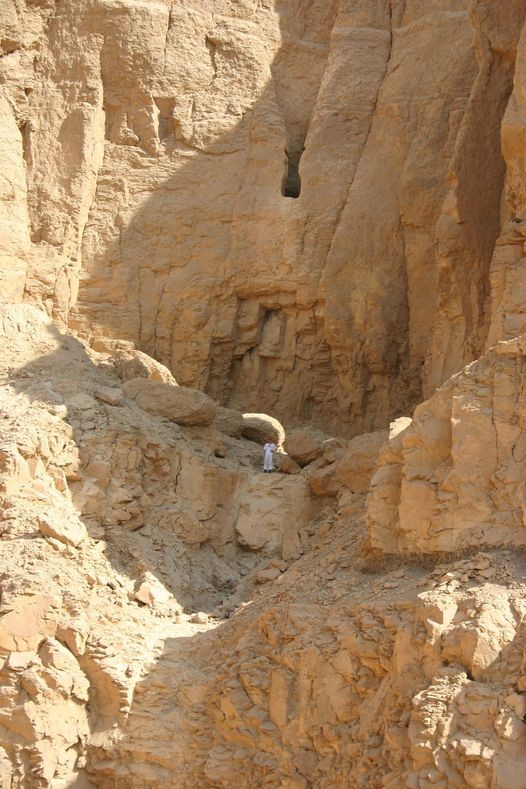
{"points": [[469, 223], [508, 294], [14, 235]]}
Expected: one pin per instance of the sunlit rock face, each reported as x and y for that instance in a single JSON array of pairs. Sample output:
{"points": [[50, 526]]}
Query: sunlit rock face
{"points": [[229, 221]]}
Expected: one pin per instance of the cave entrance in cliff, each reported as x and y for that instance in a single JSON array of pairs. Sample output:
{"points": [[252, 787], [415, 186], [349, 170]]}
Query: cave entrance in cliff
{"points": [[291, 183]]}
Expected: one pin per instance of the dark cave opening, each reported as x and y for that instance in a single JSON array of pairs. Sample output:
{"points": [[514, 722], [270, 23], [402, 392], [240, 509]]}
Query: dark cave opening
{"points": [[291, 184]]}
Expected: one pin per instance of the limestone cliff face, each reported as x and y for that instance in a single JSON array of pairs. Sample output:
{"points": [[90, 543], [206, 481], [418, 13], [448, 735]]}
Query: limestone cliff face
{"points": [[507, 286], [292, 205], [315, 208]]}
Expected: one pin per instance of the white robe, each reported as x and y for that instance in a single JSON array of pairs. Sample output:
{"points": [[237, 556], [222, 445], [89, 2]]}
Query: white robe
{"points": [[268, 449]]}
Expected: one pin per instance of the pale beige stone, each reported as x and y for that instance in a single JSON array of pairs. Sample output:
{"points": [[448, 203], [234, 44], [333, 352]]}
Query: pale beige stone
{"points": [[28, 620], [323, 480], [303, 446], [184, 524], [71, 532], [262, 428], [453, 478], [229, 421], [110, 395], [150, 155], [14, 218], [135, 364], [177, 403], [151, 592], [357, 465], [285, 464], [272, 514]]}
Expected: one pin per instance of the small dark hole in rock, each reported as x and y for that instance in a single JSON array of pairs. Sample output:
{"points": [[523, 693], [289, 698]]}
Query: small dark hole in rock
{"points": [[291, 184]]}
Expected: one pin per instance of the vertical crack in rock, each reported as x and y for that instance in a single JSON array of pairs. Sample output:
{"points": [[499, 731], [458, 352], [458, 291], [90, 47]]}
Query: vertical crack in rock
{"points": [[470, 221], [296, 95], [25, 133], [212, 50], [168, 28], [165, 121]]}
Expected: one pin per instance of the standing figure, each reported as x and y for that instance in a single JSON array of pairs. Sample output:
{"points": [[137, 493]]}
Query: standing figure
{"points": [[268, 450]]}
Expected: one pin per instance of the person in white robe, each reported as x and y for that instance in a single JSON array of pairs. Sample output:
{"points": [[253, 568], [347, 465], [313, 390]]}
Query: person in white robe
{"points": [[268, 451]]}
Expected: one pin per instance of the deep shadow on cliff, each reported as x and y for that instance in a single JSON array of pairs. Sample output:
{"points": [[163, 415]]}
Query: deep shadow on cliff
{"points": [[295, 264], [193, 275]]}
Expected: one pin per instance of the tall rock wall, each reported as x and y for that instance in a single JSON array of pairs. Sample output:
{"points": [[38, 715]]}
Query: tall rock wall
{"points": [[314, 208], [507, 286], [454, 479], [292, 205]]}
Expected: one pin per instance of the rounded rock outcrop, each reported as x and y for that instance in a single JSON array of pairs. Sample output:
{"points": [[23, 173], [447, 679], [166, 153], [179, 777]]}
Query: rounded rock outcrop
{"points": [[262, 427], [177, 403], [304, 445], [132, 364], [229, 421]]}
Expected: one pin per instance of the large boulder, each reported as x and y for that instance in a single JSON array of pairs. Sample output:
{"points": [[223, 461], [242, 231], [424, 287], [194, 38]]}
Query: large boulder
{"points": [[285, 464], [132, 364], [151, 592], [109, 345], [69, 531], [274, 514], [356, 467], [229, 421], [177, 403], [304, 445], [262, 427], [322, 478], [333, 449]]}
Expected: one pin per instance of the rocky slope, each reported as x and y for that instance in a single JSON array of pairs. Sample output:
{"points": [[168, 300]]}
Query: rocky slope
{"points": [[119, 528], [172, 617], [311, 209]]}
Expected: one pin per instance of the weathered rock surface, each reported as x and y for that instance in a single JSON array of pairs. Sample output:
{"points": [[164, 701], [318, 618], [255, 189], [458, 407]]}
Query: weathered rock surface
{"points": [[177, 403], [151, 592], [135, 364], [154, 201], [70, 533], [358, 463], [117, 527], [229, 421], [272, 512], [314, 210], [453, 478], [285, 463], [506, 280], [416, 675], [304, 446]]}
